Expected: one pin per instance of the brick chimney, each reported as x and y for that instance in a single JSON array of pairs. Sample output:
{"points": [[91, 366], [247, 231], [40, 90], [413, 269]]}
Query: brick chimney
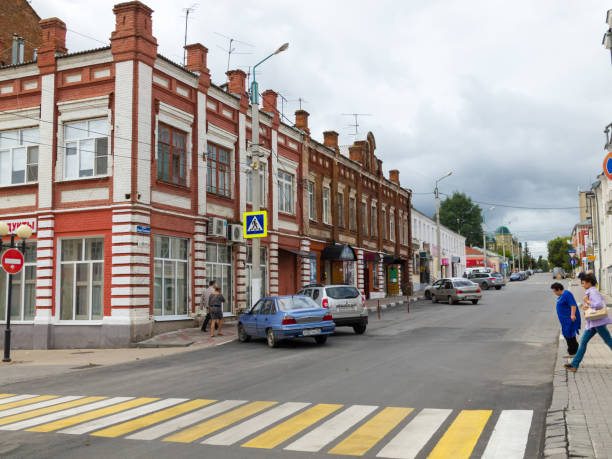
{"points": [[237, 82], [330, 139], [133, 35], [196, 62], [270, 102], [301, 120], [355, 153], [53, 42], [394, 176]]}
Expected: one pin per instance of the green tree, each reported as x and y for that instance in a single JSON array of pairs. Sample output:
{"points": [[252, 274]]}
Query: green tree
{"points": [[542, 264], [557, 252], [461, 215]]}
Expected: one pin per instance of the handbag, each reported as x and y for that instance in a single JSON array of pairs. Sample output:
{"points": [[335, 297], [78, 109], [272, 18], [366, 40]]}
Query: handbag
{"points": [[596, 314]]}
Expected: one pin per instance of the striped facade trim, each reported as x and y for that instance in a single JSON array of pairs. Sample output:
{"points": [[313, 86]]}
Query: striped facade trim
{"points": [[45, 262]]}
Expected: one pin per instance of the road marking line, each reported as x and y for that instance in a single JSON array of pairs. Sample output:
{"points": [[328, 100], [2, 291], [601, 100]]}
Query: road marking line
{"points": [[253, 425], [76, 401], [316, 439], [218, 423], [146, 421], [15, 398], [185, 421], [26, 401], [120, 417], [62, 423], [291, 427], [461, 437], [63, 414], [366, 436], [509, 438], [6, 395], [411, 440], [35, 406]]}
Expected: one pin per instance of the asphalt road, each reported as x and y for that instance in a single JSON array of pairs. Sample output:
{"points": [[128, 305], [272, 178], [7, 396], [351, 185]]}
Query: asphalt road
{"points": [[492, 357]]}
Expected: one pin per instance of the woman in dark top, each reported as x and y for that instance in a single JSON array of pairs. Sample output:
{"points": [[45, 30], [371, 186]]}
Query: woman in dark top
{"points": [[569, 317], [215, 303]]}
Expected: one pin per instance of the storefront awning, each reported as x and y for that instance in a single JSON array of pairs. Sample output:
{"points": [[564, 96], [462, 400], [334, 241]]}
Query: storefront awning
{"points": [[299, 253], [372, 256], [392, 260], [342, 252]]}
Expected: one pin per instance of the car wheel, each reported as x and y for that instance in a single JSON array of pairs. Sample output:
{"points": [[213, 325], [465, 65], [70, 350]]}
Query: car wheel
{"points": [[320, 340], [434, 299], [484, 286], [243, 337], [271, 338], [474, 301], [427, 295], [359, 329], [450, 300], [498, 287]]}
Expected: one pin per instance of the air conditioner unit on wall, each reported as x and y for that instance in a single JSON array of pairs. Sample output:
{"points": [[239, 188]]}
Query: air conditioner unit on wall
{"points": [[217, 227], [234, 233]]}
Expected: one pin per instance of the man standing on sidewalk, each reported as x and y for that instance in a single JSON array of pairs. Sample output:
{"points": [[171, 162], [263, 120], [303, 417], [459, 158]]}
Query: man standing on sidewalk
{"points": [[569, 316], [204, 303]]}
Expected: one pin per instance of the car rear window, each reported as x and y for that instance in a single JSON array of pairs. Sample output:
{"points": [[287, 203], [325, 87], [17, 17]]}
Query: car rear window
{"points": [[342, 292], [296, 302], [463, 283]]}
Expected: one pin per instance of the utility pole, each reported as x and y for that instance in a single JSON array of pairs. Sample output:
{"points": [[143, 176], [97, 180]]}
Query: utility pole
{"points": [[439, 253], [512, 247], [256, 280], [484, 237]]}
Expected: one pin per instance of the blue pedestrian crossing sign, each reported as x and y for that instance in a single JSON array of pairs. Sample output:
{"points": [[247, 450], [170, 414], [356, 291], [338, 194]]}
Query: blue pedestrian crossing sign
{"points": [[255, 224], [572, 261]]}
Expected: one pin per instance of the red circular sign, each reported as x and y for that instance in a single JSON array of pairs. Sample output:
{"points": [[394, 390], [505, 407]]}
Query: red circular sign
{"points": [[607, 165], [12, 261]]}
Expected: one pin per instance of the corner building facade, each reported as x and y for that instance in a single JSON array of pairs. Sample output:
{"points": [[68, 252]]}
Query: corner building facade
{"points": [[134, 173]]}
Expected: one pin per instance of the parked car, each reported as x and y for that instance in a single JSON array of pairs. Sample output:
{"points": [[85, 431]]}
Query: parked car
{"points": [[455, 290], [500, 282], [345, 303], [485, 280], [558, 273], [515, 277], [285, 317], [469, 271]]}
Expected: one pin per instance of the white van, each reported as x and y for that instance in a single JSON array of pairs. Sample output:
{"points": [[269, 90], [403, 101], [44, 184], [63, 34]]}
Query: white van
{"points": [[469, 271]]}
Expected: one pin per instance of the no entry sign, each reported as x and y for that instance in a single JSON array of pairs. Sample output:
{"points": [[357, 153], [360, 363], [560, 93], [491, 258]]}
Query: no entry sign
{"points": [[12, 261], [607, 166]]}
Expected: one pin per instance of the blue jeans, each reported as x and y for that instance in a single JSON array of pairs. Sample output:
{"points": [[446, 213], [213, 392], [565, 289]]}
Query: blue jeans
{"points": [[586, 337]]}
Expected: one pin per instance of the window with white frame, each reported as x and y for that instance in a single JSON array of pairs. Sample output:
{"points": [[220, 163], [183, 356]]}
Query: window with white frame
{"points": [[262, 185], [285, 192], [170, 285], [86, 148], [218, 167], [19, 156], [311, 201], [340, 209], [326, 205], [392, 228], [82, 279], [23, 296], [364, 219], [374, 221]]}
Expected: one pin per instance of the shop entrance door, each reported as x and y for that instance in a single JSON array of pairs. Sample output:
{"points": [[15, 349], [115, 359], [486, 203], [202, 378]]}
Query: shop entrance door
{"points": [[366, 277], [337, 272]]}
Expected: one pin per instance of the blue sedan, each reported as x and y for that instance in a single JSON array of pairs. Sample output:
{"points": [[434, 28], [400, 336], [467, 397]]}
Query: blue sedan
{"points": [[284, 317], [515, 277]]}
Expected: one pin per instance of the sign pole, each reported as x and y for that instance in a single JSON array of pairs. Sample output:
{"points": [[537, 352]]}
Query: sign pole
{"points": [[7, 330]]}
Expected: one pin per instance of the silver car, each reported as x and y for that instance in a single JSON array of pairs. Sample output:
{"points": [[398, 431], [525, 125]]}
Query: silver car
{"points": [[454, 290], [345, 302]]}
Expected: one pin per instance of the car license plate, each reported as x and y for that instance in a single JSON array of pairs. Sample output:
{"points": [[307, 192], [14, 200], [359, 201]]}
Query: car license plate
{"points": [[311, 332], [345, 308]]}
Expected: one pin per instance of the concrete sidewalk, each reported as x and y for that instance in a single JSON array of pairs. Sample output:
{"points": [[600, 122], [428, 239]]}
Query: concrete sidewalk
{"points": [[579, 421]]}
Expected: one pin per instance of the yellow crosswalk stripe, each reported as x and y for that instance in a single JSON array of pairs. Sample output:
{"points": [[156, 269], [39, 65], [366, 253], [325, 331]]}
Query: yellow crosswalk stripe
{"points": [[145, 421], [291, 427], [366, 436], [214, 424], [63, 423], [461, 437], [27, 401], [6, 395], [48, 409]]}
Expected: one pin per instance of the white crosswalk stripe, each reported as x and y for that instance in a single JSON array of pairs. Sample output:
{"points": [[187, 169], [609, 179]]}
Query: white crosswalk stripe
{"points": [[330, 430], [411, 440], [247, 428], [120, 417], [510, 435], [186, 420], [64, 414], [35, 406], [15, 398]]}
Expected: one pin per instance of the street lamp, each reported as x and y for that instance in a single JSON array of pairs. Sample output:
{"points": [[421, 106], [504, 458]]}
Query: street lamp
{"points": [[256, 281], [23, 232], [484, 236], [438, 259]]}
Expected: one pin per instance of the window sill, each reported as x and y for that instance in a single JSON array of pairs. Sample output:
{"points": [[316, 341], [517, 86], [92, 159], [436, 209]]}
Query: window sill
{"points": [[172, 185], [220, 196], [17, 185], [286, 214], [84, 179], [78, 322], [170, 318]]}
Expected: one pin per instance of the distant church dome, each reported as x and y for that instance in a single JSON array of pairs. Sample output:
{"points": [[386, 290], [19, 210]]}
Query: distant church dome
{"points": [[502, 230]]}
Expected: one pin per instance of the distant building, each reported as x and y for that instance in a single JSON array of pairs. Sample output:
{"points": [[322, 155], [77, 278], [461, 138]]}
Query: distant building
{"points": [[503, 238], [18, 18]]}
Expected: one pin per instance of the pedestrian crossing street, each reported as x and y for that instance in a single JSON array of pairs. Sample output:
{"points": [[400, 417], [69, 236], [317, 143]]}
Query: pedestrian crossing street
{"points": [[349, 430]]}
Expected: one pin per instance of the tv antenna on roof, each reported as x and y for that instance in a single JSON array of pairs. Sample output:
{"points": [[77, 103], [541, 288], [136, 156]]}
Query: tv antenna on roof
{"points": [[300, 100], [356, 125], [231, 49], [187, 12]]}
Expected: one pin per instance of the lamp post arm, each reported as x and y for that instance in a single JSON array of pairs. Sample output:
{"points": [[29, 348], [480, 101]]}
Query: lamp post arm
{"points": [[254, 90]]}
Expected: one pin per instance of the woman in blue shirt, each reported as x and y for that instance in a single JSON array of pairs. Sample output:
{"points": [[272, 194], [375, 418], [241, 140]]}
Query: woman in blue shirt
{"points": [[569, 316]]}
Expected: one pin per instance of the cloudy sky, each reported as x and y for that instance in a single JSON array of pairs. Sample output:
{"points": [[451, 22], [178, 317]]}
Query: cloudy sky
{"points": [[510, 96]]}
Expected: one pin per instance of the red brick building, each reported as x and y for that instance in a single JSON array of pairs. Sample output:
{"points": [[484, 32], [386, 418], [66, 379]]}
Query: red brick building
{"points": [[133, 171], [17, 17]]}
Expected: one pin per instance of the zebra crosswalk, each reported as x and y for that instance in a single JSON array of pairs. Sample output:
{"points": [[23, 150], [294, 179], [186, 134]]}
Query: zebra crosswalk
{"points": [[317, 428]]}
